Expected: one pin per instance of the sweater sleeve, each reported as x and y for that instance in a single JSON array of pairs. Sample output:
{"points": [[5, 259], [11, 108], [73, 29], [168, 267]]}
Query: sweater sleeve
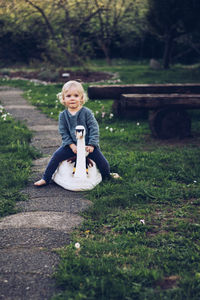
{"points": [[64, 131], [93, 130]]}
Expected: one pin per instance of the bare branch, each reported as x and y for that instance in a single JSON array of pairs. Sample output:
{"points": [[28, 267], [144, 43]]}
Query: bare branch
{"points": [[43, 15]]}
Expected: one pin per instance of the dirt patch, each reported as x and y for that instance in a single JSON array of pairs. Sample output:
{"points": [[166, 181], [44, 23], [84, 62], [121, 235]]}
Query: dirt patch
{"points": [[193, 140], [169, 282], [63, 75]]}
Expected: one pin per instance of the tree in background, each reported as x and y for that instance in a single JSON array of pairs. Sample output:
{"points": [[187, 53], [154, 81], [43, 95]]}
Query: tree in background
{"points": [[111, 20], [66, 25], [71, 31], [63, 25], [23, 34], [171, 19], [83, 26]]}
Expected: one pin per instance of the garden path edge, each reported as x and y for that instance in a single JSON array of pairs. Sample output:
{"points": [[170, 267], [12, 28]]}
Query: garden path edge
{"points": [[44, 222]]}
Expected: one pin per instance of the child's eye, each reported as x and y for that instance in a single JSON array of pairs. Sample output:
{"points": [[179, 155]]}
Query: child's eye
{"points": [[76, 95]]}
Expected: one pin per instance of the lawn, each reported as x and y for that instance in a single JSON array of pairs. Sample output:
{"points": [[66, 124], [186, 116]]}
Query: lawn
{"points": [[140, 239], [16, 157]]}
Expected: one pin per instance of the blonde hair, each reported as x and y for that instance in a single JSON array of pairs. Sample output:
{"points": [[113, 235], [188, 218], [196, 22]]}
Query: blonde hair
{"points": [[79, 88]]}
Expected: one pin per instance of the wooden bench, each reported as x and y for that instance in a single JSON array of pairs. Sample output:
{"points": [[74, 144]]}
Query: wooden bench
{"points": [[166, 105]]}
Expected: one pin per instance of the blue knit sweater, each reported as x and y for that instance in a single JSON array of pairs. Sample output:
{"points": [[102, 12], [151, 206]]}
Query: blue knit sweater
{"points": [[84, 117]]}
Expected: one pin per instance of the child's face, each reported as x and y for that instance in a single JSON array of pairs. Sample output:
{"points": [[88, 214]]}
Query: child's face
{"points": [[72, 99]]}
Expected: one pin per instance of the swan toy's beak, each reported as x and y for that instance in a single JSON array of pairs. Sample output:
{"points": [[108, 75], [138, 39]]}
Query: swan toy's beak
{"points": [[79, 133]]}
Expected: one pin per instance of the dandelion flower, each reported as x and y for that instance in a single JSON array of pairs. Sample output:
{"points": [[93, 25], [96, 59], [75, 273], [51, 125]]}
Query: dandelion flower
{"points": [[4, 116], [111, 129], [77, 246], [138, 123]]}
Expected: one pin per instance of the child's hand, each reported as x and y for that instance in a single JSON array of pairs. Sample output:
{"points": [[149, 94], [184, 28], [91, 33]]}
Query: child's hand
{"points": [[73, 147], [89, 149]]}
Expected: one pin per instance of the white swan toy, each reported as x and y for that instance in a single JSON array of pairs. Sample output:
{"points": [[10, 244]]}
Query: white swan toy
{"points": [[77, 179]]}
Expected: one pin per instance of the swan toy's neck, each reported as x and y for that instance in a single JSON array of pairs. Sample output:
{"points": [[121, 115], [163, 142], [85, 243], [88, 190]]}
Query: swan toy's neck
{"points": [[80, 171], [75, 178]]}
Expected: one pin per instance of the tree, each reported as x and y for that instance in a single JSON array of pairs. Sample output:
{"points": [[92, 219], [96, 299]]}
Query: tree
{"points": [[112, 16], [72, 34], [62, 21], [171, 19], [20, 40]]}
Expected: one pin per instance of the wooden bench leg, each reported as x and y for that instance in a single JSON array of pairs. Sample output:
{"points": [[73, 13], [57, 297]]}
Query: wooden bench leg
{"points": [[124, 110], [170, 123]]}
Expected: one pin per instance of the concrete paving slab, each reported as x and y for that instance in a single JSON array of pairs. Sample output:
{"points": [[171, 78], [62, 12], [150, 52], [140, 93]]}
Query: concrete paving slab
{"points": [[42, 219], [34, 260], [10, 106], [36, 237], [43, 128], [30, 277], [16, 286], [52, 190], [54, 203]]}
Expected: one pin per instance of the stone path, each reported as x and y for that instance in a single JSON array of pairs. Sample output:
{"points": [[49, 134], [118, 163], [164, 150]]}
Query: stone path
{"points": [[28, 239]]}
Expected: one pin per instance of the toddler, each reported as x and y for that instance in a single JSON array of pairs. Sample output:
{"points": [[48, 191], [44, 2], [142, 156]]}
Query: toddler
{"points": [[73, 97]]}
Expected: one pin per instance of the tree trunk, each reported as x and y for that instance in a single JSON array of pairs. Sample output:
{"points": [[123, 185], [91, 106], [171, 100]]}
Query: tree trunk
{"points": [[106, 52], [167, 51]]}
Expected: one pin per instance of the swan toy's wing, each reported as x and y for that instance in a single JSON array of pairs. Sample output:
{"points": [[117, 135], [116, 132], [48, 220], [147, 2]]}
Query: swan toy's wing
{"points": [[65, 178]]}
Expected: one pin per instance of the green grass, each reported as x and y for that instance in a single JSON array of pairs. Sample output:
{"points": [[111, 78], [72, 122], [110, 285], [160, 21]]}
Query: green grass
{"points": [[140, 72], [119, 256], [140, 239], [15, 162]]}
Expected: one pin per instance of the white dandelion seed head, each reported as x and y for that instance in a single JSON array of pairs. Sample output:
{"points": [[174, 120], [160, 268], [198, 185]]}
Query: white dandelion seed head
{"points": [[77, 246]]}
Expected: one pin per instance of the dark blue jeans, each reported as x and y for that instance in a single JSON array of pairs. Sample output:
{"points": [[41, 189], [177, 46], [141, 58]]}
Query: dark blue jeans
{"points": [[63, 153]]}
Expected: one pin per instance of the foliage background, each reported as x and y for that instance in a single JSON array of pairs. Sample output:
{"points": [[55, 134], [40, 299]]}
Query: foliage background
{"points": [[70, 32]]}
